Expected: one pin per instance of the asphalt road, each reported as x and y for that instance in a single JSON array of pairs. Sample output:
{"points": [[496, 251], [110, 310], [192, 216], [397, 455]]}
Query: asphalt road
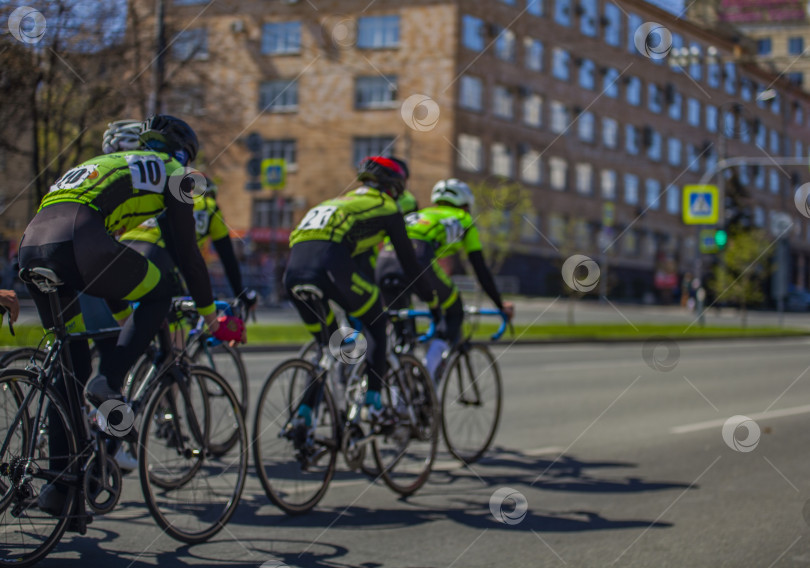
{"points": [[619, 464]]}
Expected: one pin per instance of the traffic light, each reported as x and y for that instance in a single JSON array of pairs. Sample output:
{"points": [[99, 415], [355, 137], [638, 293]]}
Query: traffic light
{"points": [[720, 238]]}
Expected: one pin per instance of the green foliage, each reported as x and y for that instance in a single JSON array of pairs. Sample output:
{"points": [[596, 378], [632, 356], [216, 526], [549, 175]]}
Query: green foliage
{"points": [[501, 212], [744, 266]]}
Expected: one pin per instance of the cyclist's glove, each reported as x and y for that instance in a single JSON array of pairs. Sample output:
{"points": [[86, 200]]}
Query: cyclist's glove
{"points": [[249, 298], [231, 328]]}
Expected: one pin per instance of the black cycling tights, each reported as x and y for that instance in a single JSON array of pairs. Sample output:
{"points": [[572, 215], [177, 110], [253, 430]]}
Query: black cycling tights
{"points": [[71, 239]]}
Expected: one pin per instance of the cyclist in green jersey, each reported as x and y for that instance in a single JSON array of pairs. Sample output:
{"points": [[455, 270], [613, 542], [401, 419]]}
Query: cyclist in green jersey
{"points": [[437, 232], [323, 251], [73, 234]]}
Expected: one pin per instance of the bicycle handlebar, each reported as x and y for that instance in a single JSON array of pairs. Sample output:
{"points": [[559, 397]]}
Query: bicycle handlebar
{"points": [[412, 314], [472, 310]]}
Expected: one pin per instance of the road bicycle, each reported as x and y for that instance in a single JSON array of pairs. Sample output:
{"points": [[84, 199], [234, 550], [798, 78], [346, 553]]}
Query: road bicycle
{"points": [[190, 494], [295, 465]]}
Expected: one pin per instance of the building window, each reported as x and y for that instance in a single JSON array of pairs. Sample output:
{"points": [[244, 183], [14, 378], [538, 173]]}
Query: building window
{"points": [[762, 134], [558, 173], [713, 75], [374, 32], [634, 91], [631, 139], [472, 93], [795, 45], [556, 228], [759, 217], [731, 78], [530, 167], [613, 24], [534, 54], [633, 23], [372, 146], [191, 44], [711, 118], [586, 126], [588, 17], [562, 12], [774, 142], [584, 178], [503, 102], [284, 149], [560, 63], [673, 200], [281, 38], [631, 189], [653, 141], [776, 104], [796, 78], [674, 152], [472, 33], [608, 183], [610, 132], [504, 44], [693, 112], [675, 103], [533, 110], [773, 182], [759, 177], [375, 92], [610, 85], [652, 193], [535, 7], [799, 149], [501, 160], [695, 68], [559, 117], [693, 158], [586, 71], [764, 46], [630, 243], [471, 153], [266, 213], [798, 115], [278, 96], [653, 98]]}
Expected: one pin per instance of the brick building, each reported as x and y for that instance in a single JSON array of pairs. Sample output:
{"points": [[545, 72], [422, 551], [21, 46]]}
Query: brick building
{"points": [[554, 94]]}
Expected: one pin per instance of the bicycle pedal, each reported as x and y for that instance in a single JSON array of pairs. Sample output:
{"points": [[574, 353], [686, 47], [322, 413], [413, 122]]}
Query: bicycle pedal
{"points": [[78, 523]]}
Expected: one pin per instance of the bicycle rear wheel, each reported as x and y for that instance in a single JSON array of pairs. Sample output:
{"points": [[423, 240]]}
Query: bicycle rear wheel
{"points": [[28, 534], [227, 361], [471, 402], [405, 453], [294, 469], [179, 447]]}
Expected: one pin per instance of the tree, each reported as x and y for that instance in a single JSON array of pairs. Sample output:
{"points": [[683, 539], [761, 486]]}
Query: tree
{"points": [[743, 268], [501, 213]]}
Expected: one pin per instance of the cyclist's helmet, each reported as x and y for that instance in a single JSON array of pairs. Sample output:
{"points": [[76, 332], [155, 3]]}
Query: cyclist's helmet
{"points": [[402, 164], [121, 135], [452, 191], [384, 174], [165, 133]]}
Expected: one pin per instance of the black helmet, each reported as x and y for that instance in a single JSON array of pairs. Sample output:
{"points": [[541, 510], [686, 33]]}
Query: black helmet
{"points": [[166, 133], [403, 164], [384, 174]]}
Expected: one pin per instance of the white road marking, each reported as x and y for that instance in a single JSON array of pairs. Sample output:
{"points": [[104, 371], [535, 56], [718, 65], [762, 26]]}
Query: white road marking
{"points": [[709, 424]]}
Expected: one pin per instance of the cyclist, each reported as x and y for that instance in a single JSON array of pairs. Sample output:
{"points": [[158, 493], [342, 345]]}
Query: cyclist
{"points": [[438, 232], [322, 250], [73, 233], [209, 222]]}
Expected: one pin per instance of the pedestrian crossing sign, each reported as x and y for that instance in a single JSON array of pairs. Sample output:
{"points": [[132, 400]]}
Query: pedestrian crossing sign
{"points": [[701, 204]]}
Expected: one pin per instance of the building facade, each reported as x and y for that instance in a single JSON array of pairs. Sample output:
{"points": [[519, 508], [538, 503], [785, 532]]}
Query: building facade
{"points": [[603, 128]]}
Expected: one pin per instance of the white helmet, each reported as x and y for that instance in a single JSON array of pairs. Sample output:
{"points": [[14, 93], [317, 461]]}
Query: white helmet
{"points": [[121, 135], [453, 191]]}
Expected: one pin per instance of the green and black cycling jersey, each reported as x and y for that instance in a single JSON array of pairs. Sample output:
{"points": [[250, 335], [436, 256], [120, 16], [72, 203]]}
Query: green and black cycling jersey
{"points": [[449, 230], [127, 188], [361, 220], [208, 223]]}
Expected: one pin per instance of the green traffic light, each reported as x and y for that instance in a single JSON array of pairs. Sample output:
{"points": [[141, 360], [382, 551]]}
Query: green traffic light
{"points": [[720, 238]]}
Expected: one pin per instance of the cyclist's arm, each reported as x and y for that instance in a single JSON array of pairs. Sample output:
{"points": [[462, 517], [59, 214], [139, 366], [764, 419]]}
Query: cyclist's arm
{"points": [[395, 226], [8, 299], [485, 277], [227, 256], [181, 236]]}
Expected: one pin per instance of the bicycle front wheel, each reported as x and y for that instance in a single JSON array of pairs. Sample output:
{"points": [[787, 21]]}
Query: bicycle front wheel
{"points": [[406, 451], [294, 467], [28, 534], [21, 358], [471, 402], [227, 361], [179, 422]]}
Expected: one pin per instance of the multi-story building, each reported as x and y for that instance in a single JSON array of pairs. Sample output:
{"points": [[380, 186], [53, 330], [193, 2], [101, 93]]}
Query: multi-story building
{"points": [[779, 32], [558, 95]]}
